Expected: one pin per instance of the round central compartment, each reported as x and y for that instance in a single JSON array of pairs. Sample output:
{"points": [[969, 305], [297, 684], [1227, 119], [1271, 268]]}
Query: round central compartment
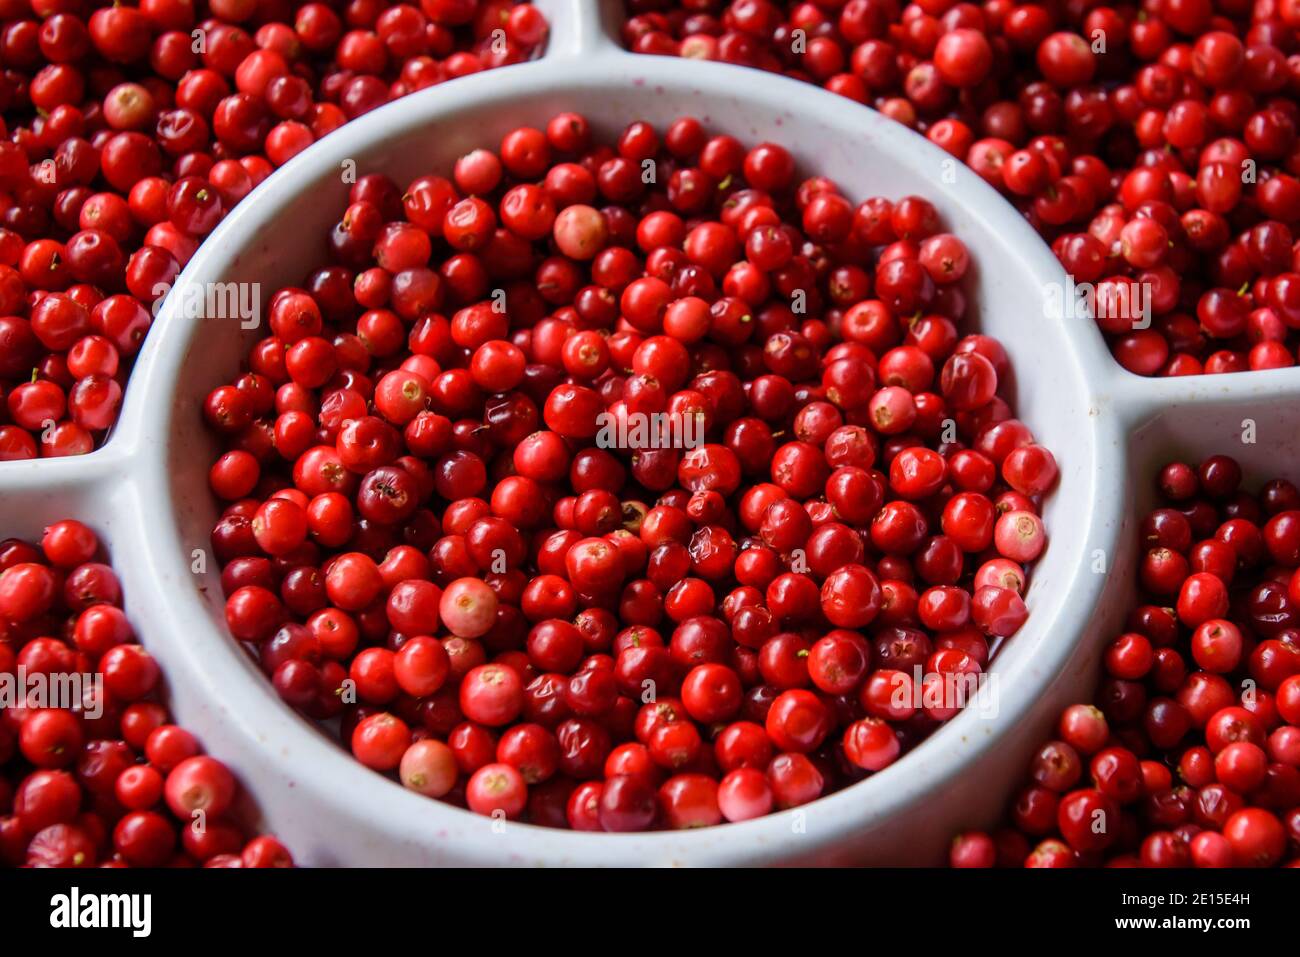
{"points": [[329, 808]]}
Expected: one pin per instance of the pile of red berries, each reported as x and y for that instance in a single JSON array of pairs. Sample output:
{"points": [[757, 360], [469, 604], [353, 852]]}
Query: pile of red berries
{"points": [[106, 778], [427, 537], [1190, 753], [1154, 145], [127, 133]]}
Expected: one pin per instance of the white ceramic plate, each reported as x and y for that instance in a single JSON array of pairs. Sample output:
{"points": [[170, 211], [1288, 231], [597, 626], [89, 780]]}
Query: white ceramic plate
{"points": [[145, 491]]}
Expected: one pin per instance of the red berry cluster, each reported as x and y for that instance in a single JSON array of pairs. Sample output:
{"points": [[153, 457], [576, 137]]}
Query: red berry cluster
{"points": [[107, 779], [1190, 754], [427, 538], [1153, 145], [128, 132]]}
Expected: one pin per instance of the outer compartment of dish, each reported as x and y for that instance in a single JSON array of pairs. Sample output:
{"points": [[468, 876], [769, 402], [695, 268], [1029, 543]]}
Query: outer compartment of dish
{"points": [[1109, 430]]}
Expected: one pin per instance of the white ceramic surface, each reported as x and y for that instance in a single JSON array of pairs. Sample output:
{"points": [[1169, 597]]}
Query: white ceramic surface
{"points": [[145, 491]]}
